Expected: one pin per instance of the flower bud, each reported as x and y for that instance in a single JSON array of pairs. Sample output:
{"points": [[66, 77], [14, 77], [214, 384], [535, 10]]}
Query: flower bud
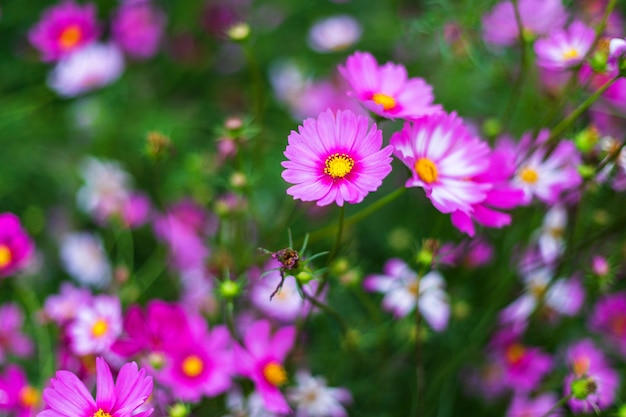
{"points": [[239, 32], [583, 387], [229, 289], [304, 276], [178, 410]]}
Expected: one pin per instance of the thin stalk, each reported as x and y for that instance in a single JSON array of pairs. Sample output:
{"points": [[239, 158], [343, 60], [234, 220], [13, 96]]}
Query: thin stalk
{"points": [[419, 363], [340, 224], [556, 406], [521, 75]]}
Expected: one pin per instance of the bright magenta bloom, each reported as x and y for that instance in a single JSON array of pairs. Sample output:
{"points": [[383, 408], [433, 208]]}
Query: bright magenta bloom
{"points": [[444, 158], [15, 245], [64, 28], [386, 90], [67, 396], [335, 159], [262, 362]]}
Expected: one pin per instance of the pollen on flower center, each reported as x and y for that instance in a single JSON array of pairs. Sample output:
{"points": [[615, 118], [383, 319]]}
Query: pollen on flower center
{"points": [[571, 54], [99, 328], [5, 256], [529, 175], [70, 36], [515, 353], [192, 366], [29, 396], [414, 287], [275, 374], [101, 413], [386, 101], [426, 170], [338, 165]]}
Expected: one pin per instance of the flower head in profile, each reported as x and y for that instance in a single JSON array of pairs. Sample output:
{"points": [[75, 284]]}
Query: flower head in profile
{"points": [[16, 246], [63, 29], [335, 159], [386, 90], [67, 396], [262, 361], [564, 48], [444, 158]]}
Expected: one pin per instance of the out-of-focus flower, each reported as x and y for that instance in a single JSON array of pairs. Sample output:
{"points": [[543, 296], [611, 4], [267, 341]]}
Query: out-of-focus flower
{"points": [[136, 210], [89, 68], [404, 290], [62, 307], [334, 33], [442, 155], [252, 406], [609, 319], [64, 29], [386, 90], [17, 397], [262, 361], [16, 247], [564, 48], [600, 266], [522, 405], [85, 260], [538, 18], [12, 340], [599, 389], [335, 159], [187, 248], [470, 253], [67, 395], [96, 326], [138, 27], [583, 357], [551, 238], [106, 188], [313, 398]]}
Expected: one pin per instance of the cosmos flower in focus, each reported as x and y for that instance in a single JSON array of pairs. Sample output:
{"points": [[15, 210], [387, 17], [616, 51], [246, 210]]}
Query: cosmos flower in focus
{"points": [[386, 90], [64, 29], [335, 159]]}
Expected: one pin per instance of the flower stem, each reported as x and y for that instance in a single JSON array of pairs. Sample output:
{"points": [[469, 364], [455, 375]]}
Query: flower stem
{"points": [[521, 75], [340, 223], [419, 364], [559, 403]]}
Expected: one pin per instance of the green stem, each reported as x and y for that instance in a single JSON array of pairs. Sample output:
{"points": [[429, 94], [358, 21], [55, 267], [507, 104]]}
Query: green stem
{"points": [[327, 309], [229, 309], [340, 223], [42, 335], [559, 403], [419, 363]]}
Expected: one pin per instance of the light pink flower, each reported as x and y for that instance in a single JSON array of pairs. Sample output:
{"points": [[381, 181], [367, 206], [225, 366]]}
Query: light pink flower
{"points": [[62, 307], [313, 398], [335, 159], [12, 340], [96, 326], [523, 405], [386, 90], [564, 48], [334, 33], [444, 158]]}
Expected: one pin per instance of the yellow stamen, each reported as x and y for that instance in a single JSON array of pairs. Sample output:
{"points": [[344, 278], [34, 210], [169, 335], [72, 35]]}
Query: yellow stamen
{"points": [[426, 170], [29, 396], [571, 54], [192, 366], [414, 287], [581, 365], [515, 353], [70, 37], [101, 413], [338, 165], [386, 101], [529, 175], [275, 374], [5, 256], [100, 327]]}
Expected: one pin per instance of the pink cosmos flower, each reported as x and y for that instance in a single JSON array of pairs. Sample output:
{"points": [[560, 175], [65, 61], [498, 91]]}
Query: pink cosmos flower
{"points": [[136, 210], [138, 27], [16, 247], [335, 159], [522, 405], [404, 290], [564, 48], [538, 18], [386, 90], [262, 361], [17, 397], [583, 357], [12, 340], [63, 29], [62, 307], [444, 158], [609, 319], [67, 396], [96, 326], [606, 381]]}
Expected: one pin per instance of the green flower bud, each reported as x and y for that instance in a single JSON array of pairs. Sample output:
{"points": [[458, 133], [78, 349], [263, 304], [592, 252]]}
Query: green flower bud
{"points": [[178, 410], [239, 32], [304, 276], [583, 387], [229, 289], [586, 171], [492, 127]]}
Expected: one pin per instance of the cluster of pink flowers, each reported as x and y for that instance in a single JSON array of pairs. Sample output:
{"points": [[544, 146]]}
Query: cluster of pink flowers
{"points": [[68, 33]]}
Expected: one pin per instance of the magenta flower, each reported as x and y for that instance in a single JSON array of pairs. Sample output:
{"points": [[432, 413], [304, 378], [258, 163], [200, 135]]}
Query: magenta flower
{"points": [[67, 396], [609, 319], [386, 90], [17, 397], [444, 158], [584, 357], [64, 28], [522, 405], [606, 384], [335, 159], [16, 247], [564, 48], [262, 362], [538, 18], [138, 28], [12, 340]]}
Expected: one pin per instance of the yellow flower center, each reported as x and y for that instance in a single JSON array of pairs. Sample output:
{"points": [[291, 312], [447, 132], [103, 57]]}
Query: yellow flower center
{"points": [[571, 54], [275, 374], [338, 165], [515, 353], [101, 413], [386, 101], [529, 175], [100, 327], [192, 366], [414, 288], [581, 365], [5, 256], [426, 170], [70, 37], [29, 396]]}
